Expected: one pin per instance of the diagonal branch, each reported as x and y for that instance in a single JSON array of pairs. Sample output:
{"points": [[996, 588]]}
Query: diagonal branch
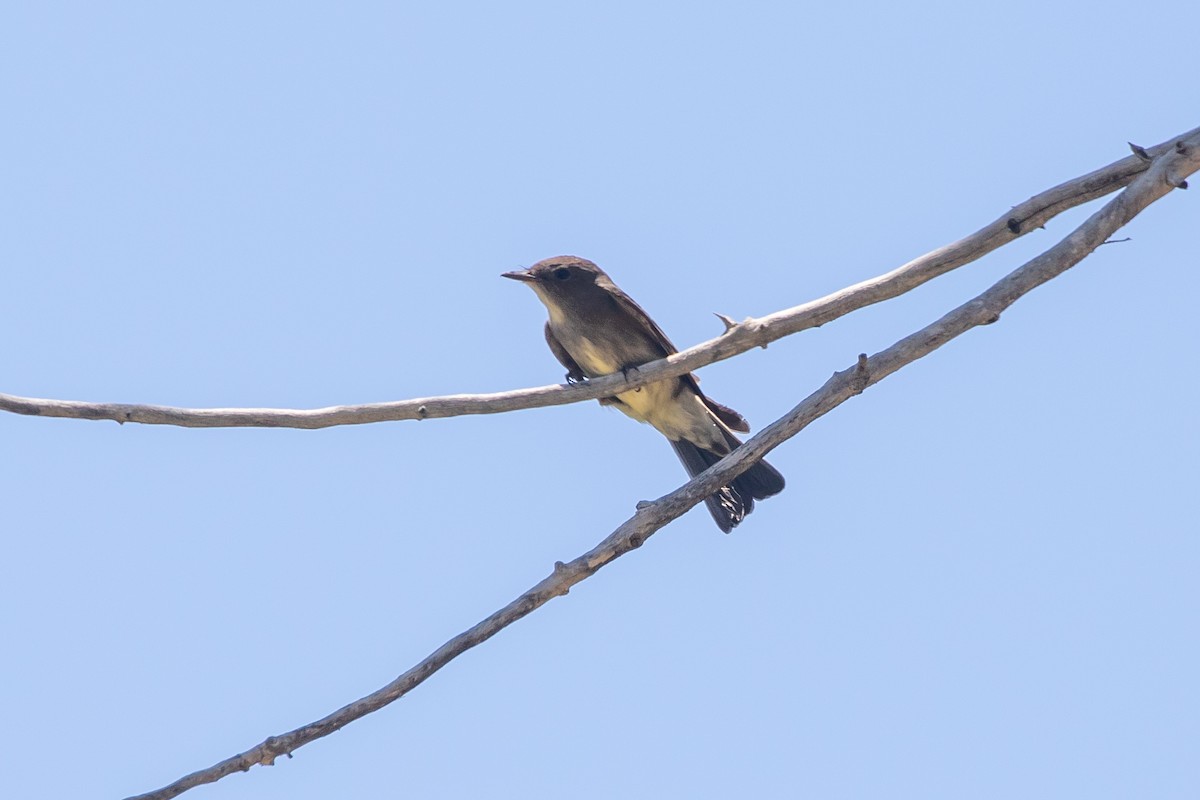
{"points": [[1166, 172], [738, 338]]}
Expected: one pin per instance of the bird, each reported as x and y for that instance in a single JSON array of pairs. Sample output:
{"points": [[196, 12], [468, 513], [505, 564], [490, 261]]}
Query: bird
{"points": [[596, 329]]}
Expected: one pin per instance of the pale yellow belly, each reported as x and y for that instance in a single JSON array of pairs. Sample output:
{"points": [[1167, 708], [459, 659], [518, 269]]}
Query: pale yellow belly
{"points": [[677, 415]]}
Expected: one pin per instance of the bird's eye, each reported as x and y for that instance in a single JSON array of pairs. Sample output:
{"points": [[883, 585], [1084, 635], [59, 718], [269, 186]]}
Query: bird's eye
{"points": [[562, 273]]}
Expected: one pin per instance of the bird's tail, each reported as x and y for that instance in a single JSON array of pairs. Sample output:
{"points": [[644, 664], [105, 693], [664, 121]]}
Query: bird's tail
{"points": [[730, 504]]}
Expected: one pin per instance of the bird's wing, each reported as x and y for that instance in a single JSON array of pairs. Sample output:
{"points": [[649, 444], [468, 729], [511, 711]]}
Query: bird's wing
{"points": [[574, 373], [727, 415]]}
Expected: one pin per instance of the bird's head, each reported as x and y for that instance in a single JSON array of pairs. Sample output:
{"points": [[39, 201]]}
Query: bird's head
{"points": [[563, 281]]}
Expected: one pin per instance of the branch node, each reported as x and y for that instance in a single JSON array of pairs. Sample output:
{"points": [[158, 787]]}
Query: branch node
{"points": [[1014, 225], [268, 757], [422, 412], [1139, 151], [1178, 183], [1182, 148], [643, 504], [1116, 241], [862, 374]]}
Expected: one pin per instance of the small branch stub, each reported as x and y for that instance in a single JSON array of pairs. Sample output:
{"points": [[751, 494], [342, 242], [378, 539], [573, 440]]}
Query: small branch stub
{"points": [[1139, 151], [729, 323], [862, 374]]}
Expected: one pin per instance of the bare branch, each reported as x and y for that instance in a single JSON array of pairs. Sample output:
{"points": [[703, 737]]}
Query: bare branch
{"points": [[1027, 216], [650, 517]]}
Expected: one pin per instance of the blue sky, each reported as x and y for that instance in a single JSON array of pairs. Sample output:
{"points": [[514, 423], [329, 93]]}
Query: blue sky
{"points": [[980, 580]]}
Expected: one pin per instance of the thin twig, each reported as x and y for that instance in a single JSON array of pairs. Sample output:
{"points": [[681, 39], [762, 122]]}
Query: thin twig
{"points": [[1027, 216], [650, 517]]}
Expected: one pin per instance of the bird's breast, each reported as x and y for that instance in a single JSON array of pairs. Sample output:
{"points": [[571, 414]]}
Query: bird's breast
{"points": [[594, 359]]}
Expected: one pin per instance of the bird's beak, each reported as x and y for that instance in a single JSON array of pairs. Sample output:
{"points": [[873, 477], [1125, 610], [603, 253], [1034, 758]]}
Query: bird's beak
{"points": [[519, 275]]}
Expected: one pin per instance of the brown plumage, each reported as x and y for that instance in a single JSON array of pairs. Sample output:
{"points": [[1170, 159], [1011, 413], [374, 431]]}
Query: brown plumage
{"points": [[596, 329]]}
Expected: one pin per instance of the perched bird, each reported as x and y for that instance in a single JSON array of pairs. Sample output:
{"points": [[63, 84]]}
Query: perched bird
{"points": [[596, 329]]}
